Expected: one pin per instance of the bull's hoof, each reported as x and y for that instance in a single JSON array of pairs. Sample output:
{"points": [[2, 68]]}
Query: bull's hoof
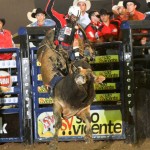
{"points": [[88, 139]]}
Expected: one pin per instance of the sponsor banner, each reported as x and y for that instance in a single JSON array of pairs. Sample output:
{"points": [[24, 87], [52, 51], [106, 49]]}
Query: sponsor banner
{"points": [[108, 73], [11, 90], [38, 63], [39, 77], [105, 59], [104, 123], [5, 81], [97, 86], [9, 100], [9, 126], [99, 97], [45, 100], [107, 97], [105, 86], [41, 89], [7, 63]]}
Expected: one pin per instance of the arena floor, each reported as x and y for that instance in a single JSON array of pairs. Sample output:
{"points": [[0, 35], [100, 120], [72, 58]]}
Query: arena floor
{"points": [[99, 145]]}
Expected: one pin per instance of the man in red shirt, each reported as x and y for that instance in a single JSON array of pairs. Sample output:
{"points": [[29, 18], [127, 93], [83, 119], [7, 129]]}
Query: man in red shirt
{"points": [[92, 29], [5, 41], [66, 31], [132, 6], [107, 30]]}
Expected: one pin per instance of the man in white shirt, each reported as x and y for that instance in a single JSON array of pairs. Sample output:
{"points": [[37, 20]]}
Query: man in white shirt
{"points": [[39, 18], [84, 5]]}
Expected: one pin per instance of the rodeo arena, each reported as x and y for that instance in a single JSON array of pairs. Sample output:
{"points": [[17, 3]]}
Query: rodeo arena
{"points": [[79, 80]]}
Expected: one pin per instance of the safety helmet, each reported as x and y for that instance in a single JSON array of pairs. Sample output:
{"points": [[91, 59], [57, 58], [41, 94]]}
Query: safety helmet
{"points": [[74, 10]]}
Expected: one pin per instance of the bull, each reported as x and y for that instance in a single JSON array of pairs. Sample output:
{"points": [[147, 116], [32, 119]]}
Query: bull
{"points": [[74, 93]]}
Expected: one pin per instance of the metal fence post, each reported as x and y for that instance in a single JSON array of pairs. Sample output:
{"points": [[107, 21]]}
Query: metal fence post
{"points": [[26, 79]]}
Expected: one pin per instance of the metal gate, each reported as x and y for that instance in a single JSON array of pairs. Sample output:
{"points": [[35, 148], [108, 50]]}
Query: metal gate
{"points": [[113, 111], [137, 78], [11, 101], [107, 111]]}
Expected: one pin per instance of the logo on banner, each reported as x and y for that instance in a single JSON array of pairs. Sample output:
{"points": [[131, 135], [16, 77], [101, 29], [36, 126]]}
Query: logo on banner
{"points": [[46, 124], [104, 122], [5, 81], [3, 127]]}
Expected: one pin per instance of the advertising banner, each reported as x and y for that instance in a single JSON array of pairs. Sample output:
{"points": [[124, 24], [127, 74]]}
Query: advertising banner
{"points": [[5, 81], [104, 123], [9, 126], [105, 59]]}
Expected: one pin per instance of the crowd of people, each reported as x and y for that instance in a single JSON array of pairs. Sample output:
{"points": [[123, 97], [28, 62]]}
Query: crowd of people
{"points": [[98, 25]]}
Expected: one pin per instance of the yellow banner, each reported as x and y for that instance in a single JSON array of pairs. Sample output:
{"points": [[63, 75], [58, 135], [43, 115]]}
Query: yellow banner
{"points": [[108, 73], [104, 122], [41, 89], [39, 77], [45, 100], [105, 59], [38, 63], [105, 86], [107, 97]]}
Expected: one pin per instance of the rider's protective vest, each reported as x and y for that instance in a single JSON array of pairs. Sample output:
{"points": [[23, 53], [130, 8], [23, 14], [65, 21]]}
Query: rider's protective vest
{"points": [[67, 33]]}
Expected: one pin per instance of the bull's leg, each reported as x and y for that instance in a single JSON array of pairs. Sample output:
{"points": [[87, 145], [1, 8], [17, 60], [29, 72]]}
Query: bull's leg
{"points": [[57, 110], [85, 116]]}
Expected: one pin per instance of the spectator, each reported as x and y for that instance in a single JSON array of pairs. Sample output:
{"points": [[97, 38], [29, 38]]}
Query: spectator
{"points": [[40, 16], [108, 30], [5, 41], [132, 6], [92, 29], [66, 34], [120, 11], [84, 5], [30, 18]]}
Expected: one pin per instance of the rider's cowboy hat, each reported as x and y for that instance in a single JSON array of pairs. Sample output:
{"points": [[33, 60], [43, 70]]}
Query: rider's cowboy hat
{"points": [[3, 21], [87, 2], [133, 1], [31, 15]]}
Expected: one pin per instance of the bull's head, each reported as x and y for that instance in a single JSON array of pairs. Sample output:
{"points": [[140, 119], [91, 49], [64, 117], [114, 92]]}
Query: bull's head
{"points": [[82, 72]]}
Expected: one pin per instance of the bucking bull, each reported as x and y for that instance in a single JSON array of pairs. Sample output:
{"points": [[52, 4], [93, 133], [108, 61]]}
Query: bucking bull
{"points": [[74, 93]]}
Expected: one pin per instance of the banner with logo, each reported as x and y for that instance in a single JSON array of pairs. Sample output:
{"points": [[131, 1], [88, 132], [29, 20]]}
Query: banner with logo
{"points": [[5, 82], [9, 126], [104, 123]]}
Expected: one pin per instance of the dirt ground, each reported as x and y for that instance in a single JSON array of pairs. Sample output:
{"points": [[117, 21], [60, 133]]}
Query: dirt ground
{"points": [[98, 145]]}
